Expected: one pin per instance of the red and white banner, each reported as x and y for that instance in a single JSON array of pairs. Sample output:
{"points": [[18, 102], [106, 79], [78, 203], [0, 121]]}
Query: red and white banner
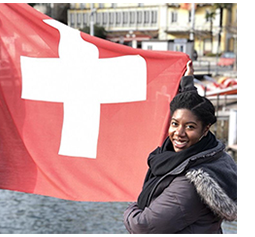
{"points": [[78, 114]]}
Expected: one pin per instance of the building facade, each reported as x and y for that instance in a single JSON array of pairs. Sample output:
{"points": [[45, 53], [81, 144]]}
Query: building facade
{"points": [[135, 23]]}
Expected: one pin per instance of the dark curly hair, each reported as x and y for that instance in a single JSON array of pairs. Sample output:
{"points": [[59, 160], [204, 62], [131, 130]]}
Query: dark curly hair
{"points": [[201, 107]]}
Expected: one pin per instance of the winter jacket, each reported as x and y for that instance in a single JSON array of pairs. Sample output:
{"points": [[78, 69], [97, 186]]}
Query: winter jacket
{"points": [[196, 201]]}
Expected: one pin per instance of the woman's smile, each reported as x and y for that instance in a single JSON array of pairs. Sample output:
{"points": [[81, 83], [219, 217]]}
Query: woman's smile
{"points": [[179, 144]]}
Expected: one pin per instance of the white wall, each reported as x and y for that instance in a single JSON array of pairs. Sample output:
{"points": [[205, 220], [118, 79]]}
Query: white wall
{"points": [[155, 45]]}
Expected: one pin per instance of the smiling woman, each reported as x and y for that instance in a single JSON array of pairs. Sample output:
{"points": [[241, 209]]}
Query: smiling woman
{"points": [[192, 116], [191, 183]]}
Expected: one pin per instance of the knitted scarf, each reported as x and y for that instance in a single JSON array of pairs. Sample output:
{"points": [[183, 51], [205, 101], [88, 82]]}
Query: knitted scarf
{"points": [[164, 159]]}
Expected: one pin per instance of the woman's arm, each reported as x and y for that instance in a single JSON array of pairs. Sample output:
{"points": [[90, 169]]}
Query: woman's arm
{"points": [[190, 69], [187, 81], [176, 208]]}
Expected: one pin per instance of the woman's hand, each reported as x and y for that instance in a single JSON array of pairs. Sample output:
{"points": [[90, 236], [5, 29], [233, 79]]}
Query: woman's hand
{"points": [[190, 69]]}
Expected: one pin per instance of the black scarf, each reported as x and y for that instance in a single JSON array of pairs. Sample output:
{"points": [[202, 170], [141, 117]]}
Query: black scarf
{"points": [[164, 159]]}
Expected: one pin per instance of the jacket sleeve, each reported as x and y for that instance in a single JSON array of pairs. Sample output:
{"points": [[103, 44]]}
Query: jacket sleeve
{"points": [[175, 209], [187, 84]]}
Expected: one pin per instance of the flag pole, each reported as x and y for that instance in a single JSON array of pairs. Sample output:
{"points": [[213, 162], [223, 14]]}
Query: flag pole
{"points": [[191, 36], [92, 19]]}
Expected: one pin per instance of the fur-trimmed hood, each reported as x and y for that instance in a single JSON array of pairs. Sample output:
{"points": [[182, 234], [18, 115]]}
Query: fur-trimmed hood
{"points": [[216, 183]]}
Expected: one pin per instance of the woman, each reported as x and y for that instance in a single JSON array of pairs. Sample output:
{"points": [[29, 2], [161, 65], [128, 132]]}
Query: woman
{"points": [[190, 186]]}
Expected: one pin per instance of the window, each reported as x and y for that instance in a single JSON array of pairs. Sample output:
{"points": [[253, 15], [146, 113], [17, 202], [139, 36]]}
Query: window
{"points": [[118, 18], [189, 16], [125, 17], [72, 19], [132, 17], [105, 18], [146, 17], [85, 19], [139, 17], [173, 16], [154, 16], [111, 20], [78, 18], [179, 47], [98, 18]]}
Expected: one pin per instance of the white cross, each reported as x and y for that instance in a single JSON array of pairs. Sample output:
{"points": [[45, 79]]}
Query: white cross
{"points": [[82, 81]]}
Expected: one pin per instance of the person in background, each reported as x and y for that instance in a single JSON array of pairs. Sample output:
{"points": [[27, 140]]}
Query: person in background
{"points": [[191, 183], [195, 55]]}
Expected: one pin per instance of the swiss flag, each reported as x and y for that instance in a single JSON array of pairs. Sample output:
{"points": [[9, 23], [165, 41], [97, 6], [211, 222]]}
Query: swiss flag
{"points": [[79, 115]]}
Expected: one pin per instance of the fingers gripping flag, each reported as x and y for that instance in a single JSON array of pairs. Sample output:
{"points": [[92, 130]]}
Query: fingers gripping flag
{"points": [[78, 114], [111, 80]]}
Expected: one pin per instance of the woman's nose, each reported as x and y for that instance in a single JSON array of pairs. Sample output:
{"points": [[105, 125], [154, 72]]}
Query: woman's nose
{"points": [[180, 131]]}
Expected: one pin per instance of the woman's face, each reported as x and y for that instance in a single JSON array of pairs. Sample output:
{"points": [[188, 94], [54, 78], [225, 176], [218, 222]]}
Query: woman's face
{"points": [[185, 129]]}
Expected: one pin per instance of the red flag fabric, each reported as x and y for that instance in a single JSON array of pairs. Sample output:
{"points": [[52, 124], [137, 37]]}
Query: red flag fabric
{"points": [[79, 115]]}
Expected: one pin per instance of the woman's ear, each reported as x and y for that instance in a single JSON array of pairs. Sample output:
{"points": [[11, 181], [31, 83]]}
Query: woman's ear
{"points": [[207, 128]]}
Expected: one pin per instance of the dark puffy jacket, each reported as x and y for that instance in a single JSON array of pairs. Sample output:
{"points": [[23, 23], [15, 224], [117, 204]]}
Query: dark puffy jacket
{"points": [[196, 201]]}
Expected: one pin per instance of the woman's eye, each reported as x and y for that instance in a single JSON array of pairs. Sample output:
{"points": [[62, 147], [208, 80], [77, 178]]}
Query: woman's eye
{"points": [[174, 124], [190, 127]]}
